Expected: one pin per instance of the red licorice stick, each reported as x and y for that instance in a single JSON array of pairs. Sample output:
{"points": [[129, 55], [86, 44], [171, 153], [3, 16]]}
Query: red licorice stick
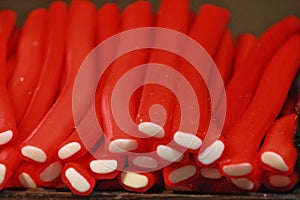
{"points": [[281, 183], [136, 15], [244, 138], [108, 24], [172, 15], [77, 178], [13, 41], [25, 175], [43, 97], [105, 165], [8, 129], [139, 182], [58, 122], [245, 43], [278, 152], [180, 175], [242, 87], [225, 56], [30, 55], [207, 30]]}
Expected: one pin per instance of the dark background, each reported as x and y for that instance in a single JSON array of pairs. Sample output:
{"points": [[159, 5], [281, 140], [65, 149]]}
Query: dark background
{"points": [[246, 15]]}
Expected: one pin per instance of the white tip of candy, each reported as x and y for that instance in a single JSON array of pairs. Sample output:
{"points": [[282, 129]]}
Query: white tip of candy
{"points": [[151, 129], [51, 172], [182, 174], [274, 160], [103, 166], [34, 153], [122, 145], [187, 140], [210, 173], [212, 153], [68, 150], [5, 137], [242, 183], [169, 154], [26, 180], [134, 180], [279, 181], [77, 181], [2, 173], [242, 169], [145, 162]]}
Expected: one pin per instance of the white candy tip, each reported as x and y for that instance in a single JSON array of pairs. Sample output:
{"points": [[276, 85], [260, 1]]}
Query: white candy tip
{"points": [[212, 153], [187, 140], [51, 172], [151, 129], [77, 181], [2, 173], [122, 145], [182, 174], [274, 160], [242, 169], [210, 173], [134, 180], [26, 180], [243, 183], [145, 162], [169, 154], [34, 153], [68, 150], [5, 137], [103, 166], [279, 181]]}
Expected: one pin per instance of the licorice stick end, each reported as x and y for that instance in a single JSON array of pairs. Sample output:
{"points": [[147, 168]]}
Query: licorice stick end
{"points": [[50, 173], [243, 183], [169, 154], [34, 153], [187, 140], [236, 170], [103, 166], [26, 180], [68, 150], [144, 162], [151, 129], [122, 145], [210, 173], [6, 136], [212, 153], [274, 160]]}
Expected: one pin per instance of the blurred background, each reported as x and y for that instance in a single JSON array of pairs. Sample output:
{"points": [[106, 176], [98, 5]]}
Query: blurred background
{"points": [[252, 16]]}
